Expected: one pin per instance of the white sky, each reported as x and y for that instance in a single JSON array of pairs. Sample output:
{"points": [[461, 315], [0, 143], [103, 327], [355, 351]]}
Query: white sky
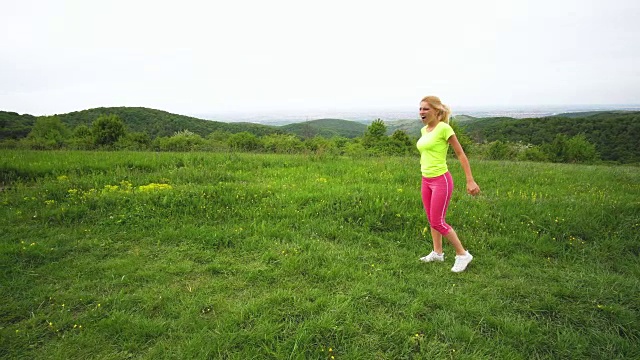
{"points": [[191, 57]]}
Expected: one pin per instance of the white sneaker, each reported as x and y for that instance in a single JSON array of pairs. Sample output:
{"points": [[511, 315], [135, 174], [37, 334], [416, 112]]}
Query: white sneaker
{"points": [[433, 256], [461, 262]]}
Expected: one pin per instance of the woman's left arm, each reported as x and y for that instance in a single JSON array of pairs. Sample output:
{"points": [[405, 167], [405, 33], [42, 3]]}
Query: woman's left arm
{"points": [[472, 187]]}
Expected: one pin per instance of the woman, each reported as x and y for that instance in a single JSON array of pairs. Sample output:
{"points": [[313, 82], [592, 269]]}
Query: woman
{"points": [[437, 184]]}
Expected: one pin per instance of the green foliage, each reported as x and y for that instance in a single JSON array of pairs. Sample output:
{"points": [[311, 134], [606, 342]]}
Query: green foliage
{"points": [[244, 141], [321, 145], [410, 126], [159, 123], [282, 144], [134, 141], [532, 153], [82, 138], [580, 150], [498, 150], [113, 255], [14, 125], [375, 139], [48, 133], [326, 128], [613, 134], [401, 144], [376, 131], [183, 140], [107, 129], [573, 150], [464, 139]]}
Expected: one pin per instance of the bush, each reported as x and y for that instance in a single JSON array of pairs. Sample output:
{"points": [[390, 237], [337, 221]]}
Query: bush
{"points": [[532, 153], [181, 141], [576, 149], [498, 150], [244, 141], [282, 143], [48, 133], [107, 129], [134, 141]]}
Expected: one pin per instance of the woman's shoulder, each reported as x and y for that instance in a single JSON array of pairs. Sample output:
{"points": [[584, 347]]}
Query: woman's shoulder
{"points": [[445, 130], [444, 125]]}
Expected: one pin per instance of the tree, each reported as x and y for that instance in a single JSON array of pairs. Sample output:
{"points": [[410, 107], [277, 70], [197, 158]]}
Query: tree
{"points": [[134, 141], [375, 138], [400, 143], [82, 138], [498, 150], [184, 140], [579, 150], [107, 129], [282, 143], [48, 132], [377, 130], [320, 145], [576, 149], [245, 141], [464, 139], [556, 150], [532, 153]]}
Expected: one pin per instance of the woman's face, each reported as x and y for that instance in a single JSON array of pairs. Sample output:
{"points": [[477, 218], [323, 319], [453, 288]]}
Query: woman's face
{"points": [[426, 114]]}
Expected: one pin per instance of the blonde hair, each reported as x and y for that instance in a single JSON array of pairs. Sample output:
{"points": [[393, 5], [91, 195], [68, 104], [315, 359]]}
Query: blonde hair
{"points": [[442, 111]]}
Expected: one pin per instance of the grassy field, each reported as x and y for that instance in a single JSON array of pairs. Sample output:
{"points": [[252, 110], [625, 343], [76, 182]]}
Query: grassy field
{"points": [[113, 255]]}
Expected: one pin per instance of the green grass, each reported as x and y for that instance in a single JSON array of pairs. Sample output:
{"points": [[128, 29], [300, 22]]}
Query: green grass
{"points": [[245, 256]]}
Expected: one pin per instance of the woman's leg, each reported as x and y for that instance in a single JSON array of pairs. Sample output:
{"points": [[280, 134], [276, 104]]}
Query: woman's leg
{"points": [[440, 199], [455, 241], [428, 185], [427, 194], [437, 240]]}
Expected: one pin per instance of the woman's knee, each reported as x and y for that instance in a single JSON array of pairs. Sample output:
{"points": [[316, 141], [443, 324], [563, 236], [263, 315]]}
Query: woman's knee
{"points": [[441, 228]]}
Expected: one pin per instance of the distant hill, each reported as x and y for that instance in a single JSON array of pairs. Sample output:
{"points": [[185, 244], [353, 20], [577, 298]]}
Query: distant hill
{"points": [[465, 118], [412, 126], [616, 135], [137, 119], [14, 125], [589, 113], [326, 128], [161, 123]]}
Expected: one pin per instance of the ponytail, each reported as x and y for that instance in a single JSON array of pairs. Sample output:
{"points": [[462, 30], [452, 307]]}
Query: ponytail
{"points": [[446, 114], [443, 112]]}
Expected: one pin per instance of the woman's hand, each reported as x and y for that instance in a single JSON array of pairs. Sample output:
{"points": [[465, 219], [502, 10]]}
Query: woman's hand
{"points": [[473, 188]]}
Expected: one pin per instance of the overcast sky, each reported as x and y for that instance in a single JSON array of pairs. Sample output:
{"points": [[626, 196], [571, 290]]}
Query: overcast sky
{"points": [[197, 57]]}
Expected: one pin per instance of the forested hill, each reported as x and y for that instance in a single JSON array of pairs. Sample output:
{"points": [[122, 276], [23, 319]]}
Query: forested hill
{"points": [[161, 123], [616, 135], [326, 128], [137, 119], [14, 125]]}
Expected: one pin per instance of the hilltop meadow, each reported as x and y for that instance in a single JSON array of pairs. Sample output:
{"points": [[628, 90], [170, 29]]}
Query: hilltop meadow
{"points": [[229, 255]]}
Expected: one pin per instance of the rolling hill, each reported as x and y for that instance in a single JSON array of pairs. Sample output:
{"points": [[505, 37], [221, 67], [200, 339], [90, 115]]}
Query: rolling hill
{"points": [[158, 123], [326, 128], [616, 135], [14, 125], [412, 126], [161, 123]]}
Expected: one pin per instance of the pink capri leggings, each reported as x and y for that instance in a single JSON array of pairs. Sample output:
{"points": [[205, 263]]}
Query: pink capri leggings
{"points": [[436, 194]]}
